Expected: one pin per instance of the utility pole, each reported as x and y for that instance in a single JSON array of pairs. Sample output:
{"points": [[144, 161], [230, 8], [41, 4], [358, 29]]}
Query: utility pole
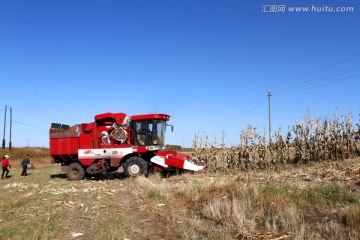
{"points": [[3, 142], [10, 143], [269, 95]]}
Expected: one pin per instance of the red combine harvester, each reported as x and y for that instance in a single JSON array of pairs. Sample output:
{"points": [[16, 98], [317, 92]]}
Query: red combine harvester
{"points": [[134, 142]]}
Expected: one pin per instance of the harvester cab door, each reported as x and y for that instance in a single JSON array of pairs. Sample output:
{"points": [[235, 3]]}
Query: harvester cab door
{"points": [[140, 133], [151, 133]]}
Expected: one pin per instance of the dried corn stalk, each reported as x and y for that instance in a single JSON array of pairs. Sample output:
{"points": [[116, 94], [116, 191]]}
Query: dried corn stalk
{"points": [[305, 141]]}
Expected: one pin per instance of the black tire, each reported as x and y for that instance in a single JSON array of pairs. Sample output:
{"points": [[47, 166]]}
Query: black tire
{"points": [[135, 166], [75, 172]]}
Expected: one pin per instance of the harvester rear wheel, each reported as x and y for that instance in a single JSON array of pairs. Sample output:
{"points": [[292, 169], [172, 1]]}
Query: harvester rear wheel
{"points": [[75, 172], [135, 166]]}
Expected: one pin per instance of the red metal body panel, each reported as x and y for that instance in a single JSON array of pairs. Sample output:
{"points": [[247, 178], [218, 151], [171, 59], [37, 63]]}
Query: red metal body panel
{"points": [[173, 158], [150, 116], [88, 136], [174, 161], [64, 144], [174, 154], [110, 117]]}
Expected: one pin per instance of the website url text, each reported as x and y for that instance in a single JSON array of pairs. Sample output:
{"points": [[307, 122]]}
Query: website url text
{"points": [[307, 9]]}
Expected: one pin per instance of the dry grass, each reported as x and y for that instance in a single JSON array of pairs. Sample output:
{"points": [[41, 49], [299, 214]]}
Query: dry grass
{"points": [[37, 155]]}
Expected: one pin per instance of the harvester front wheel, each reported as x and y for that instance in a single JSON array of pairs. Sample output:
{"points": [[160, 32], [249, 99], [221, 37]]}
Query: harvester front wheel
{"points": [[75, 172], [135, 166]]}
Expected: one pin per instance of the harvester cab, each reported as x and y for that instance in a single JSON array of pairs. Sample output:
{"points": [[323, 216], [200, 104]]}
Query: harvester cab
{"points": [[149, 132]]}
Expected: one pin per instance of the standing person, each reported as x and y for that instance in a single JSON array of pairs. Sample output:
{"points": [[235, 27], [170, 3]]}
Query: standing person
{"points": [[5, 166], [24, 164]]}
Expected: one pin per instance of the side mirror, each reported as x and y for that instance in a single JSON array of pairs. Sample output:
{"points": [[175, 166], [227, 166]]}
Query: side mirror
{"points": [[172, 127]]}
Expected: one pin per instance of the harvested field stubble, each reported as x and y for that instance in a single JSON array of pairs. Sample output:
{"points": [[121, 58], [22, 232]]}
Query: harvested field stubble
{"points": [[293, 202]]}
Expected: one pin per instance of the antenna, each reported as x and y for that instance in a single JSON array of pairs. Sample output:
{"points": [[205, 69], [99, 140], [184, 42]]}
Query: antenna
{"points": [[3, 142], [10, 143]]}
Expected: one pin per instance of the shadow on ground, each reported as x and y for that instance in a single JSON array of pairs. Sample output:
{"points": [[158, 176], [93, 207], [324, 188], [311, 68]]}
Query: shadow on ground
{"points": [[107, 176], [60, 175], [116, 175], [98, 177]]}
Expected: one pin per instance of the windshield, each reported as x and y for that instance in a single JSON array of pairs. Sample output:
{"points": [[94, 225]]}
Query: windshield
{"points": [[150, 132]]}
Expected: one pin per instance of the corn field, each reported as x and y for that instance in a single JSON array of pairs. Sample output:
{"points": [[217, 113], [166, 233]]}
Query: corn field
{"points": [[305, 141]]}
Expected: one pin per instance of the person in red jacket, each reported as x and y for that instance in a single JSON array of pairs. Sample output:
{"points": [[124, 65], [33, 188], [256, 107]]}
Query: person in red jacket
{"points": [[5, 166]]}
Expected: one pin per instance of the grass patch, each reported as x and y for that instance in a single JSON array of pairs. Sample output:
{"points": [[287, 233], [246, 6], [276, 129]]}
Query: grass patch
{"points": [[195, 189], [155, 194], [324, 195]]}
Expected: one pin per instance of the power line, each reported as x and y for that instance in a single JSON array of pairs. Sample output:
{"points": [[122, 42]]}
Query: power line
{"points": [[316, 80], [318, 70], [245, 108], [247, 112], [31, 125], [300, 90]]}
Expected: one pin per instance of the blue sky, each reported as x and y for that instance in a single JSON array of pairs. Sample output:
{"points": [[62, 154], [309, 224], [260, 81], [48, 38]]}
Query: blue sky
{"points": [[207, 63]]}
